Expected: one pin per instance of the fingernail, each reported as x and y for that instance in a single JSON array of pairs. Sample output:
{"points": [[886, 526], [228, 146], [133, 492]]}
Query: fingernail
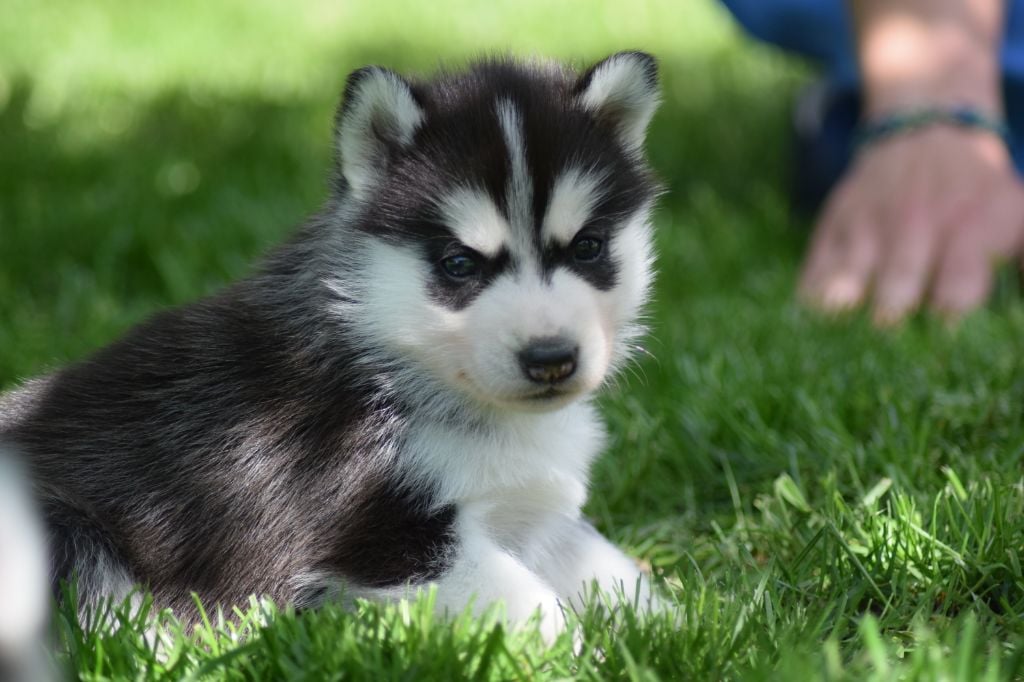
{"points": [[841, 293]]}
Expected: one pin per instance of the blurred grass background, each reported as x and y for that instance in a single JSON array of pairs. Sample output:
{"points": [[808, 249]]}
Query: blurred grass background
{"points": [[825, 500]]}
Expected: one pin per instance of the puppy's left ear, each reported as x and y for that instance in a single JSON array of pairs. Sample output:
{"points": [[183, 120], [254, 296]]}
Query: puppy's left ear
{"points": [[623, 89], [378, 116]]}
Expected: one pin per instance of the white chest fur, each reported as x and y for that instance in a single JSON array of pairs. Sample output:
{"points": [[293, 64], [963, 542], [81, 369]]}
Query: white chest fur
{"points": [[518, 485], [533, 461]]}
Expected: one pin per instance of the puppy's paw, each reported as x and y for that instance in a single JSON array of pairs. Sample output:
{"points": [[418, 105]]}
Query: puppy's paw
{"points": [[542, 607]]}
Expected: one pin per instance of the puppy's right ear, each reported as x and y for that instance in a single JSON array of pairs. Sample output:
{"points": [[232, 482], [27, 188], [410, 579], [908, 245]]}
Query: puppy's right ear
{"points": [[379, 115]]}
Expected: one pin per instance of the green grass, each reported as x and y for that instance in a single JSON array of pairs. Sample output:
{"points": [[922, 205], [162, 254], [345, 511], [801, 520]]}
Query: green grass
{"points": [[823, 500]]}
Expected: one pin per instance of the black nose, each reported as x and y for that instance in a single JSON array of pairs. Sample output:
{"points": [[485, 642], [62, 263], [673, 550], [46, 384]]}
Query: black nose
{"points": [[549, 360]]}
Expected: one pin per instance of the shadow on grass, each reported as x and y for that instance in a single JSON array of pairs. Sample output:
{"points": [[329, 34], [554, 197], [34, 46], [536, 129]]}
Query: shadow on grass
{"points": [[104, 221]]}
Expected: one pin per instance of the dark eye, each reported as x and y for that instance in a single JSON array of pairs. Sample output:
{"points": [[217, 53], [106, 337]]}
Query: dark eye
{"points": [[459, 266], [587, 249]]}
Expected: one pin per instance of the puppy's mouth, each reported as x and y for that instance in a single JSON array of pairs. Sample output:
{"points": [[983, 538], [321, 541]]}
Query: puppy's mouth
{"points": [[546, 394], [550, 394]]}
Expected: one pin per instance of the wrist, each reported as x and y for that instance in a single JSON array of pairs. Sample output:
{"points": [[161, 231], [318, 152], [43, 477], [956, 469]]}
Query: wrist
{"points": [[906, 65]]}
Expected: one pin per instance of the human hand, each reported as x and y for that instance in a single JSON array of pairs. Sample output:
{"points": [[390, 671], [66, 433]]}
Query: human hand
{"points": [[922, 216]]}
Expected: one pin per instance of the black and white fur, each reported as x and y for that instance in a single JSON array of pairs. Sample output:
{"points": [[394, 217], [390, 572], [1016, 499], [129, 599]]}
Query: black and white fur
{"points": [[399, 395]]}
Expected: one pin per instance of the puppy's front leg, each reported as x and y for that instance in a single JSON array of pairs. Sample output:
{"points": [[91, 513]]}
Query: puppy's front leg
{"points": [[571, 555], [483, 573]]}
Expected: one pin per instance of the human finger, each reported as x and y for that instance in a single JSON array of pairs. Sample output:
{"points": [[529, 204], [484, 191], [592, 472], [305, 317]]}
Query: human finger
{"points": [[841, 262], [966, 270], [904, 271], [963, 280]]}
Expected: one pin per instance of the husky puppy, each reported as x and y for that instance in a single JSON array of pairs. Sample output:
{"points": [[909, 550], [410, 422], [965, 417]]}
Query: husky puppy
{"points": [[399, 396]]}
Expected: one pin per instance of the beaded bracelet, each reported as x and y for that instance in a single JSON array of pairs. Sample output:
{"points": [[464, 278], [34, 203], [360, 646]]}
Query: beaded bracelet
{"points": [[871, 132]]}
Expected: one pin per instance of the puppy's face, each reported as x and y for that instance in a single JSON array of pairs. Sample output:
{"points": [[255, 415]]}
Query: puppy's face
{"points": [[505, 239]]}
